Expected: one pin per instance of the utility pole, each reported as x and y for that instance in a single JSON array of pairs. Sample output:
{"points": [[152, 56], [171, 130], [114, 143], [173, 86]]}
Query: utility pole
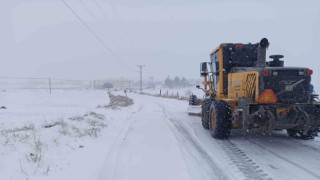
{"points": [[141, 66]]}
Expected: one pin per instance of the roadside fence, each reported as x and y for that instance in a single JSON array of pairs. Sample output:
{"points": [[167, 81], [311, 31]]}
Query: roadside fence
{"points": [[51, 84]]}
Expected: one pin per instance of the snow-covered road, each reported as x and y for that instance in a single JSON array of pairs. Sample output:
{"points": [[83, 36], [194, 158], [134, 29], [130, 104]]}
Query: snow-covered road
{"points": [[153, 139], [160, 141]]}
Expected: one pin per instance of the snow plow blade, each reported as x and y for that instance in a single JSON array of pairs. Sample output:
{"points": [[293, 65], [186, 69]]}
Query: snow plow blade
{"points": [[194, 110]]}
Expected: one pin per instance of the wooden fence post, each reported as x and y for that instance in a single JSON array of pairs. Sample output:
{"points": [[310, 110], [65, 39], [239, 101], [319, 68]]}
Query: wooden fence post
{"points": [[50, 84]]}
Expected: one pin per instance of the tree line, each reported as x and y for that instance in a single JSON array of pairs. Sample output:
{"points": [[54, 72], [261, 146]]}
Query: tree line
{"points": [[176, 82]]}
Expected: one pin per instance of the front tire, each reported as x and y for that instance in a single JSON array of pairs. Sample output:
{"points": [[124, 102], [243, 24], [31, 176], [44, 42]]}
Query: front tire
{"points": [[205, 113], [193, 100], [220, 120]]}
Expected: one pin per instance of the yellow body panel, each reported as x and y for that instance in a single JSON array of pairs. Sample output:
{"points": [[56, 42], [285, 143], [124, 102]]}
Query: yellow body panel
{"points": [[243, 84], [220, 94], [240, 84]]}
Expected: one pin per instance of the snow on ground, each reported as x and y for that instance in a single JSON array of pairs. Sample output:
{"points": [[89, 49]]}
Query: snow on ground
{"points": [[182, 92], [152, 139], [44, 134]]}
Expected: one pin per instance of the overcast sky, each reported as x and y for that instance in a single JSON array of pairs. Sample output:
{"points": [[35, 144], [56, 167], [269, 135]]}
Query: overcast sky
{"points": [[42, 38]]}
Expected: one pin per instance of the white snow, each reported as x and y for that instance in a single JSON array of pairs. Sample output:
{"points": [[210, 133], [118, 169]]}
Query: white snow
{"points": [[152, 139], [182, 92]]}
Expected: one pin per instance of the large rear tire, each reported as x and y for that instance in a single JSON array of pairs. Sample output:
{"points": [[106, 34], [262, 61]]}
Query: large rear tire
{"points": [[220, 120], [205, 113]]}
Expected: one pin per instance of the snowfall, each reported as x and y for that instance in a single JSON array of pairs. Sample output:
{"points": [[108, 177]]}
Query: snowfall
{"points": [[88, 135]]}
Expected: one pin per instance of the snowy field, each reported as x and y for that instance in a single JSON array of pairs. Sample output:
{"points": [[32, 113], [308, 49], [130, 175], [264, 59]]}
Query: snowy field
{"points": [[184, 92], [54, 136], [73, 135]]}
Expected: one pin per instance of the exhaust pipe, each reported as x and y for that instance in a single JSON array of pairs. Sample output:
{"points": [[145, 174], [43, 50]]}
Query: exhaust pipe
{"points": [[262, 51]]}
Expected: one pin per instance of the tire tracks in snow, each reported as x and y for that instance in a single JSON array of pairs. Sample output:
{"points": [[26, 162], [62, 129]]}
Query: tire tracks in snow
{"points": [[238, 156], [110, 166], [213, 170], [243, 162], [283, 158], [308, 146]]}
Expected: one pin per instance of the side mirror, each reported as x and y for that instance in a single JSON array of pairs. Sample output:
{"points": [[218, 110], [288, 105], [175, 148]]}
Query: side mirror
{"points": [[198, 86], [204, 69]]}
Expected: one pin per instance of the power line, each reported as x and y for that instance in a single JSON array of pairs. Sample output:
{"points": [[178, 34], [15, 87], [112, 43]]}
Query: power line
{"points": [[121, 24], [101, 10], [95, 35], [104, 14], [108, 19], [97, 20]]}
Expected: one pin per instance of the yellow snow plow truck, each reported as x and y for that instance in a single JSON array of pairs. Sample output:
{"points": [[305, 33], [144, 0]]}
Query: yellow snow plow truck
{"points": [[244, 91]]}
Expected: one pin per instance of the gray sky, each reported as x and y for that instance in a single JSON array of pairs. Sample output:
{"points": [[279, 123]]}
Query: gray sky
{"points": [[42, 38]]}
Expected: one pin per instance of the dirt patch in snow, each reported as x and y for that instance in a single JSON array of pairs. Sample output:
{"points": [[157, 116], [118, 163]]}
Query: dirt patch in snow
{"points": [[119, 101]]}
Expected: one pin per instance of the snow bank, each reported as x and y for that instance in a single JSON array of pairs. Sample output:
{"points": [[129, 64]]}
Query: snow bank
{"points": [[43, 134]]}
